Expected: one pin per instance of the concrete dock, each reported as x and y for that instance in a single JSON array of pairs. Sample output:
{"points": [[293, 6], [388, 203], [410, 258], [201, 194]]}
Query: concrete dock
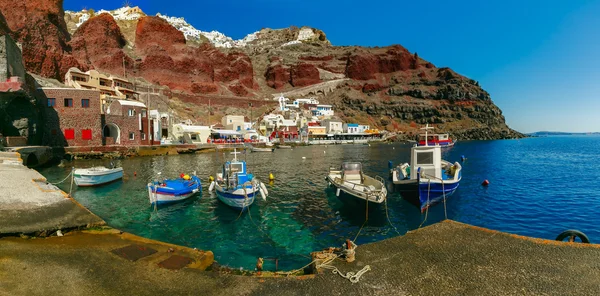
{"points": [[29, 204], [447, 258]]}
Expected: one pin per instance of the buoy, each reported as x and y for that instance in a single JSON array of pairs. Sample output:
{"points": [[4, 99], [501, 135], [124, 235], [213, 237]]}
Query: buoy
{"points": [[211, 178], [485, 183], [303, 157], [337, 192], [393, 148], [271, 177], [212, 186], [181, 175], [463, 158], [259, 264], [324, 152], [135, 174]]}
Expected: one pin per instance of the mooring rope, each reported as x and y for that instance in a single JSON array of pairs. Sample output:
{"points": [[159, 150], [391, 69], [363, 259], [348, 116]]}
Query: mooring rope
{"points": [[388, 218], [366, 218], [63, 180], [427, 209]]}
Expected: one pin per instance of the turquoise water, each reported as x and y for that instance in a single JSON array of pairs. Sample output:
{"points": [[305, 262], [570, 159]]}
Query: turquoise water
{"points": [[538, 187]]}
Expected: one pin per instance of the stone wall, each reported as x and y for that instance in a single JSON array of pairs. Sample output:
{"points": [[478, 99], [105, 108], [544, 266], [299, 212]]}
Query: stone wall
{"points": [[59, 119], [11, 61]]}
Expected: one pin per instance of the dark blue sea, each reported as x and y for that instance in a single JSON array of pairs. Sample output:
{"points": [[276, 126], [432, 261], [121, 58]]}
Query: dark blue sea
{"points": [[538, 187]]}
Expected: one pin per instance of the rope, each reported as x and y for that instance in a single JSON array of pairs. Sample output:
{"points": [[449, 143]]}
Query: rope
{"points": [[388, 218], [427, 209], [63, 180], [366, 218], [351, 276], [444, 194], [72, 179]]}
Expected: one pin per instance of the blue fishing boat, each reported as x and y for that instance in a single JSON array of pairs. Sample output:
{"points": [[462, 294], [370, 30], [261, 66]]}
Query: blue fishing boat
{"points": [[428, 179], [235, 187], [173, 190]]}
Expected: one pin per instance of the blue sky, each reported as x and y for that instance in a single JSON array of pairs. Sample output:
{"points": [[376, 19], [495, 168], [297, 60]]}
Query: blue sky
{"points": [[539, 60]]}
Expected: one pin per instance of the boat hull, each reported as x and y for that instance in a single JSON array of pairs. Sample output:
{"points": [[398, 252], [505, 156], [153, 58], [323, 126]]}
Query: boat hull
{"points": [[161, 196], [348, 197], [423, 194], [87, 180], [236, 199]]}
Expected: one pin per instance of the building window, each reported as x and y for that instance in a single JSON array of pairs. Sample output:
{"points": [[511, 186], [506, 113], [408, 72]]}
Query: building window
{"points": [[131, 136], [143, 113], [85, 103], [131, 112], [51, 102], [86, 134], [69, 134], [143, 136], [68, 102]]}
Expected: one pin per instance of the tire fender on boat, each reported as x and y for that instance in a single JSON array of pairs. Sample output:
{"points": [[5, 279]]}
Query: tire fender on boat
{"points": [[212, 186], [262, 194], [571, 234]]}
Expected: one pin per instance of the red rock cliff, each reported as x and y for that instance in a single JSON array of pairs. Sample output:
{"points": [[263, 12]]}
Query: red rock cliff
{"points": [[40, 28]]}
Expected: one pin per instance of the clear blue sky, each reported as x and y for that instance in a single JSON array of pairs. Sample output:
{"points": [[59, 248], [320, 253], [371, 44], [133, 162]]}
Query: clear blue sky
{"points": [[539, 60]]}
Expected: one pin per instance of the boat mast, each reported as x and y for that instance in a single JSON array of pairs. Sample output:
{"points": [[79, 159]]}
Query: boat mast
{"points": [[426, 128]]}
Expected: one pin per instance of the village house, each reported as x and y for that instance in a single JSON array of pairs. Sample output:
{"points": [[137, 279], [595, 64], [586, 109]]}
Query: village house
{"points": [[126, 123], [351, 128], [362, 128], [233, 122], [71, 116], [333, 126]]}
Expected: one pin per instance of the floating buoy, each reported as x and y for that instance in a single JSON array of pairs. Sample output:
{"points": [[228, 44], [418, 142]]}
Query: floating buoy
{"points": [[324, 152], [135, 174], [337, 192], [485, 183], [303, 157], [463, 158], [211, 178], [212, 186], [393, 148], [271, 177]]}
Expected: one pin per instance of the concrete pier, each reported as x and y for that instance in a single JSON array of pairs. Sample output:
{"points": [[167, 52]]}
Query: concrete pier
{"points": [[29, 204], [447, 258]]}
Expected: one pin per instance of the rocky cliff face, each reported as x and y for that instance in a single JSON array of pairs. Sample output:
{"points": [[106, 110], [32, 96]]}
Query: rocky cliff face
{"points": [[387, 87], [40, 27]]}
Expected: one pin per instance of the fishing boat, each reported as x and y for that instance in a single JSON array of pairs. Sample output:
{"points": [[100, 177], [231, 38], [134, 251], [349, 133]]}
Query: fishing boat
{"points": [[353, 187], [173, 190], [259, 149], [428, 179], [235, 187], [443, 140], [95, 176]]}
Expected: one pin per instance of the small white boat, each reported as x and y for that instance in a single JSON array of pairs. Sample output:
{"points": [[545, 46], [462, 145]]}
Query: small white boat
{"points": [[95, 176], [284, 147], [355, 188], [257, 149]]}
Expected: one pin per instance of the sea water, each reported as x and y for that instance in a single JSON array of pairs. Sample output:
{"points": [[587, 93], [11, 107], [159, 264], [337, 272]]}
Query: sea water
{"points": [[538, 187]]}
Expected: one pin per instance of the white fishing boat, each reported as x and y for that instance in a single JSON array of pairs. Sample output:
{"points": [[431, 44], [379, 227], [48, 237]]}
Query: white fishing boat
{"points": [[284, 147], [428, 179], [258, 149], [236, 187], [353, 187], [95, 176]]}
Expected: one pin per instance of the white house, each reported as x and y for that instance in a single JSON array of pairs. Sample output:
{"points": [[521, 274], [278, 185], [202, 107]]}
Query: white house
{"points": [[323, 110], [190, 134], [333, 126], [351, 128], [363, 128], [233, 122]]}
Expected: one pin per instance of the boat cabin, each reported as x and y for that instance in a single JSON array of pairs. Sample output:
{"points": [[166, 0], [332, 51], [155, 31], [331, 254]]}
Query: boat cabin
{"points": [[428, 159], [435, 139], [352, 172], [234, 174]]}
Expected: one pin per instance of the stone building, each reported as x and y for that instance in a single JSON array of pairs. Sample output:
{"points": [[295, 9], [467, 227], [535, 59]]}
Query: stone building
{"points": [[70, 117], [126, 123]]}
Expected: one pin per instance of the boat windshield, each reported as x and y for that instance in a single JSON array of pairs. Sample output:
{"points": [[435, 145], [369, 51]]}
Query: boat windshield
{"points": [[352, 166]]}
